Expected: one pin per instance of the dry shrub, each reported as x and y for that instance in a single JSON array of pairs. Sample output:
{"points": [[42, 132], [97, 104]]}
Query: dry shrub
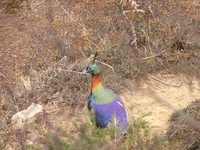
{"points": [[154, 35], [182, 129]]}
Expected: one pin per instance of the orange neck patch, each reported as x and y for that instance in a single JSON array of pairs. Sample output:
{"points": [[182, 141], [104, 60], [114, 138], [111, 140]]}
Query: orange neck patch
{"points": [[96, 82]]}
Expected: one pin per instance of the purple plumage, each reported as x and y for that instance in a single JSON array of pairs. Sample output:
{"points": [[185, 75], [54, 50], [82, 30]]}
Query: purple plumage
{"points": [[105, 113]]}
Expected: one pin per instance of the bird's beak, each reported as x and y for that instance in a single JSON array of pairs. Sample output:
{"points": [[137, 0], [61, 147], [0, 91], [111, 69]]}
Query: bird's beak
{"points": [[84, 71]]}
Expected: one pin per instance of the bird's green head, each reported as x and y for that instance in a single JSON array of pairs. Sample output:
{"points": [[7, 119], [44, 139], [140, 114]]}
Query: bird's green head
{"points": [[93, 69]]}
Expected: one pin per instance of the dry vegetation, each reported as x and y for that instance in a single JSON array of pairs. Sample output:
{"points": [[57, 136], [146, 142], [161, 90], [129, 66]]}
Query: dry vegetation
{"points": [[45, 43], [181, 130]]}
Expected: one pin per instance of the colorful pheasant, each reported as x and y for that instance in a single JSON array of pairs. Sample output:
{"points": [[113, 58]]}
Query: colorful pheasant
{"points": [[105, 103]]}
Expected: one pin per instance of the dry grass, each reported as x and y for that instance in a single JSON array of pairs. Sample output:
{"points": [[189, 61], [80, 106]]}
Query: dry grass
{"points": [[181, 129], [39, 39]]}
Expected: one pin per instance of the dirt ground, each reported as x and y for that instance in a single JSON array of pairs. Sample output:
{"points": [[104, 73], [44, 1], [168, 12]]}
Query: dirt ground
{"points": [[158, 100]]}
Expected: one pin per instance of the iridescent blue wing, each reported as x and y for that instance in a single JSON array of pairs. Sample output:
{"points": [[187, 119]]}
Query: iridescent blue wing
{"points": [[91, 98], [104, 114]]}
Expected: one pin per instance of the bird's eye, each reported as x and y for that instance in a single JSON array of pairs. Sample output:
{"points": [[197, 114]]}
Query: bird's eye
{"points": [[88, 69]]}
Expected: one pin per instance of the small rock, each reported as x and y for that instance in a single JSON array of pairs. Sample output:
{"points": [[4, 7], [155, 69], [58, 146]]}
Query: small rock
{"points": [[26, 116]]}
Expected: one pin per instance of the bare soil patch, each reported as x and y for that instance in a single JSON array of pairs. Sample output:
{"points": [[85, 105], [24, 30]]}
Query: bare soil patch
{"points": [[159, 101]]}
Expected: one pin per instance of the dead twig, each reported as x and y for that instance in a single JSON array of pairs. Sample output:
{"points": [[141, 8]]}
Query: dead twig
{"points": [[82, 26], [41, 96], [2, 10], [126, 107], [102, 41], [39, 4], [64, 40], [2, 75], [99, 47], [56, 110], [155, 55], [134, 35], [132, 4], [151, 11], [105, 65], [71, 71], [51, 68], [149, 41], [168, 84], [68, 13]]}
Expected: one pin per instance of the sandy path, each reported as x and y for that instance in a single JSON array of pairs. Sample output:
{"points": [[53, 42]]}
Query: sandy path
{"points": [[161, 100]]}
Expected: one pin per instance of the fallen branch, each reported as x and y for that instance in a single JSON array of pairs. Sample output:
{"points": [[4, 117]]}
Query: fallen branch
{"points": [[168, 84]]}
